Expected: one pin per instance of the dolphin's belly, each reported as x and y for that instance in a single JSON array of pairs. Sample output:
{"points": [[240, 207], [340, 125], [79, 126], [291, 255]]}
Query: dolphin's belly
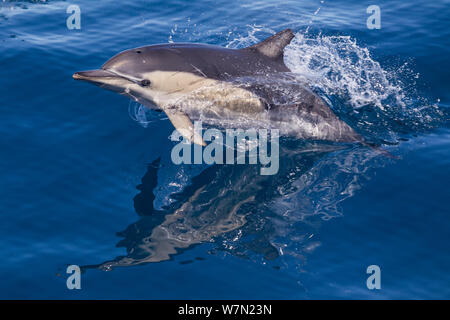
{"points": [[223, 97], [220, 101]]}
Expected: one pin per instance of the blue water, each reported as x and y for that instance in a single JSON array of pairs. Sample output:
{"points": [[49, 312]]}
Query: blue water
{"points": [[87, 177]]}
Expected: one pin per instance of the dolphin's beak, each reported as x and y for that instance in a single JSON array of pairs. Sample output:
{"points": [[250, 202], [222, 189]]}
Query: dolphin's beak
{"points": [[95, 76]]}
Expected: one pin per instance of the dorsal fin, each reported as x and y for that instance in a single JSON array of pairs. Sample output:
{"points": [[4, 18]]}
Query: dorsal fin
{"points": [[273, 47]]}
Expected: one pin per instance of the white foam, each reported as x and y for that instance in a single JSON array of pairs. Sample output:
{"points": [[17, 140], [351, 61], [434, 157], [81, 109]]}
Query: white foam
{"points": [[338, 66]]}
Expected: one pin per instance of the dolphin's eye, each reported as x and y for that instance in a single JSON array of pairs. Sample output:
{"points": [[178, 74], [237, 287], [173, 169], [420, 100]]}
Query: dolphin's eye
{"points": [[145, 83], [138, 51]]}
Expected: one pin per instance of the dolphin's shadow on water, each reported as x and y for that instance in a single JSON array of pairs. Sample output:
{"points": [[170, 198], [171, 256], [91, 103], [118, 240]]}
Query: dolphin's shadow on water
{"points": [[242, 212]]}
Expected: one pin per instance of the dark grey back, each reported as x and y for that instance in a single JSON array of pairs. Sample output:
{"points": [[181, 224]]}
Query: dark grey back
{"points": [[204, 60]]}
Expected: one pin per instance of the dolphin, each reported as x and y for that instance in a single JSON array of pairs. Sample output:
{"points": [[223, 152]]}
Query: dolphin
{"points": [[249, 86]]}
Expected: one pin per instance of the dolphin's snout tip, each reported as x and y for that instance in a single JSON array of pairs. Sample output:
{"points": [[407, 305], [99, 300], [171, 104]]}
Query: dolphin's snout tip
{"points": [[82, 75]]}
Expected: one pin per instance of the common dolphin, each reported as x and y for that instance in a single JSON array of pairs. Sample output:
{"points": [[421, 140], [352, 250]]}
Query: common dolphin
{"points": [[198, 81]]}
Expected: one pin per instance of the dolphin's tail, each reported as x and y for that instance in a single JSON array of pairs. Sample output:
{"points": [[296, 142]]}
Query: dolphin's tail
{"points": [[378, 149], [336, 129]]}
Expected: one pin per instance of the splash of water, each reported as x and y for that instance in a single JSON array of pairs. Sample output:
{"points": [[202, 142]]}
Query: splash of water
{"points": [[250, 38], [339, 66], [143, 115]]}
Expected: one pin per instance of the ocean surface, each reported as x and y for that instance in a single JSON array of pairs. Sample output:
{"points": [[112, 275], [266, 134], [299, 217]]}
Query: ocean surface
{"points": [[87, 178]]}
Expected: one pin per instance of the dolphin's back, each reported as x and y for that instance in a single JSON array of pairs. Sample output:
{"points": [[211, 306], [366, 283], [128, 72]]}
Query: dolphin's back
{"points": [[262, 58], [225, 64], [204, 60]]}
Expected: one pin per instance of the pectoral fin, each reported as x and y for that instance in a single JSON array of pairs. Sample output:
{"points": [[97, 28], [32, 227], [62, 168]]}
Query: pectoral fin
{"points": [[184, 125]]}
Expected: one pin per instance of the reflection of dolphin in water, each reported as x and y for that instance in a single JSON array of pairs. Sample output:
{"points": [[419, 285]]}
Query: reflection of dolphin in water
{"points": [[248, 87], [226, 200]]}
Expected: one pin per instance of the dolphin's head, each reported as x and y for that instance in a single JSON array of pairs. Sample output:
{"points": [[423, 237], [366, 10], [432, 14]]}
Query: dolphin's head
{"points": [[144, 74]]}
